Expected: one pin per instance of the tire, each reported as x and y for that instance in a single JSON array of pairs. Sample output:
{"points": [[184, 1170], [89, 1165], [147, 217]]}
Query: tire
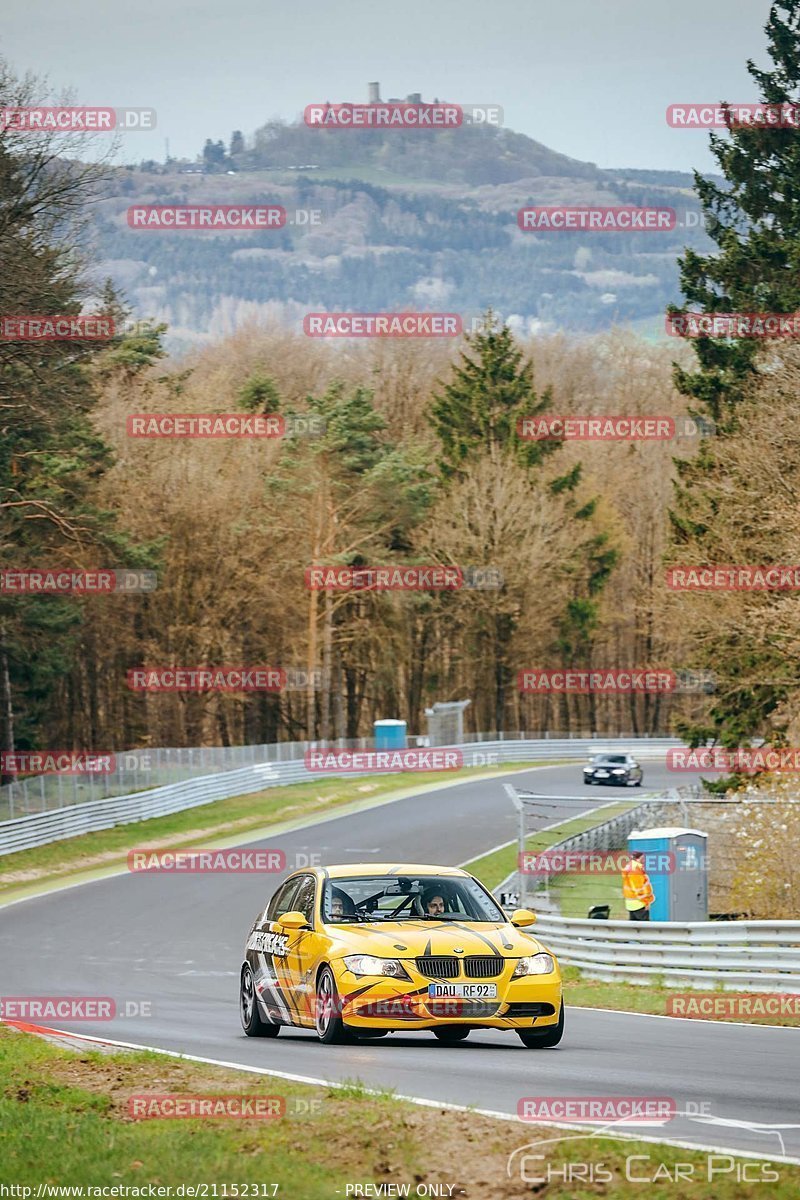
{"points": [[640, 782], [451, 1034], [541, 1039], [587, 782], [252, 1022], [329, 1025]]}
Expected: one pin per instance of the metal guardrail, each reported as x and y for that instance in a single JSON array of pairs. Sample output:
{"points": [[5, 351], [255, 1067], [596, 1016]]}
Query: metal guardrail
{"points": [[37, 829], [137, 770], [758, 956]]}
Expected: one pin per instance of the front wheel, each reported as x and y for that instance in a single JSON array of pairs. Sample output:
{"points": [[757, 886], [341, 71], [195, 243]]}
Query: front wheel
{"points": [[540, 1039], [451, 1033], [327, 1019], [252, 1023]]}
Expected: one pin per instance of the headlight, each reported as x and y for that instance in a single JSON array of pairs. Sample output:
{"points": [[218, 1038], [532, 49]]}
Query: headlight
{"points": [[619, 771], [537, 964], [367, 964]]}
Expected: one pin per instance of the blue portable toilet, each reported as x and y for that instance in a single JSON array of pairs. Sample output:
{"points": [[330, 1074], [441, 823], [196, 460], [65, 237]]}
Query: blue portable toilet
{"points": [[390, 735], [676, 861]]}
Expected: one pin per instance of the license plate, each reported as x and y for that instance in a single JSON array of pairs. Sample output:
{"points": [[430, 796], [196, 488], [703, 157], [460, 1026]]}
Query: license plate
{"points": [[462, 991], [602, 774]]}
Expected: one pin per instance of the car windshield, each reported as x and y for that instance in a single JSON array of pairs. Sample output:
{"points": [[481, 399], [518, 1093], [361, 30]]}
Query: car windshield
{"points": [[611, 759], [408, 898]]}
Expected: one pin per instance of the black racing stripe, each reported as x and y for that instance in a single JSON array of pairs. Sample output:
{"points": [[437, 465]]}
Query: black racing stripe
{"points": [[276, 990], [286, 991], [426, 953], [359, 991], [392, 937], [485, 940]]}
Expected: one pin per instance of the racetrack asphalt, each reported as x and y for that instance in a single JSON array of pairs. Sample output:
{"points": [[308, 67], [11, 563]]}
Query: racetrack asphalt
{"points": [[174, 942]]}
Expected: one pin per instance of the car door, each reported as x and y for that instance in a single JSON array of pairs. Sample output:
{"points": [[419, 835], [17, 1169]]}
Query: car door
{"points": [[266, 953], [300, 951]]}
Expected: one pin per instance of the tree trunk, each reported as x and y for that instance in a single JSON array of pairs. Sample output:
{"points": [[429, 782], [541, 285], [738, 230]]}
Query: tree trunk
{"points": [[8, 703]]}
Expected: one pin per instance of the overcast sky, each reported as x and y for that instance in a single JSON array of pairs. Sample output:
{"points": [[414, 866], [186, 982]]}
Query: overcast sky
{"points": [[589, 78]]}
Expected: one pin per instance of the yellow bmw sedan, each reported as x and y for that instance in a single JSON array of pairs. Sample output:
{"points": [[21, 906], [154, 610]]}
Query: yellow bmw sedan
{"points": [[368, 949]]}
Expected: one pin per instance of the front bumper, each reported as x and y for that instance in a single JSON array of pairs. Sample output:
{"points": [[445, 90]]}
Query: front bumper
{"points": [[385, 1003]]}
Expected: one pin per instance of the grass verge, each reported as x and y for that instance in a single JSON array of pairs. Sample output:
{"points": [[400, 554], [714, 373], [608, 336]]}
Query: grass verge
{"points": [[493, 868], [653, 998], [575, 894], [66, 1121]]}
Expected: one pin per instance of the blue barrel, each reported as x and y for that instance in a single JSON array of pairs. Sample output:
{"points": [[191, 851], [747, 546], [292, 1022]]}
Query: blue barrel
{"points": [[390, 735]]}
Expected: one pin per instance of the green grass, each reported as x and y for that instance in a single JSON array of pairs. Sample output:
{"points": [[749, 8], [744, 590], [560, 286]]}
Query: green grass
{"points": [[575, 894], [493, 868], [230, 818], [64, 1121], [645, 998]]}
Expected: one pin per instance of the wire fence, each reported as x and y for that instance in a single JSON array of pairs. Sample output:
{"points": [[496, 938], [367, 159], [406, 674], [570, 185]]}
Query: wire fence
{"points": [[142, 769]]}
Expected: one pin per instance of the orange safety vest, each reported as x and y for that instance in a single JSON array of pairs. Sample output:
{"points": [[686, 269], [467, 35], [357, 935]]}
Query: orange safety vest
{"points": [[636, 887]]}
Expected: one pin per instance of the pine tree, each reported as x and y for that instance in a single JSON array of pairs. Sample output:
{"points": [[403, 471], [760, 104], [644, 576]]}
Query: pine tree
{"points": [[754, 219], [52, 458], [475, 416], [488, 392]]}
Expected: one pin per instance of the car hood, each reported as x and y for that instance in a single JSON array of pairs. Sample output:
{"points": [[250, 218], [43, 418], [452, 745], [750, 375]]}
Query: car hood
{"points": [[412, 939]]}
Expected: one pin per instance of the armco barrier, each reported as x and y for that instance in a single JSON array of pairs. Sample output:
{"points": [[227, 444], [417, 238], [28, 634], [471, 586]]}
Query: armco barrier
{"points": [[759, 956], [37, 829]]}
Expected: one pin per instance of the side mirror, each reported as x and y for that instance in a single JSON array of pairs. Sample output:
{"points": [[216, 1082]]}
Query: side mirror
{"points": [[293, 920], [523, 917]]}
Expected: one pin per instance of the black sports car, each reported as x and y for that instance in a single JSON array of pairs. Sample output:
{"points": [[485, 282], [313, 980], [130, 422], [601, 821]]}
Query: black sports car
{"points": [[620, 770]]}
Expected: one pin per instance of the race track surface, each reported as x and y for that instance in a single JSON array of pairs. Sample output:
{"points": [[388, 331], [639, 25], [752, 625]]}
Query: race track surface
{"points": [[176, 942]]}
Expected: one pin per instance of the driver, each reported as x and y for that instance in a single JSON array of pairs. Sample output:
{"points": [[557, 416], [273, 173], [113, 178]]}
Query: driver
{"points": [[433, 902]]}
